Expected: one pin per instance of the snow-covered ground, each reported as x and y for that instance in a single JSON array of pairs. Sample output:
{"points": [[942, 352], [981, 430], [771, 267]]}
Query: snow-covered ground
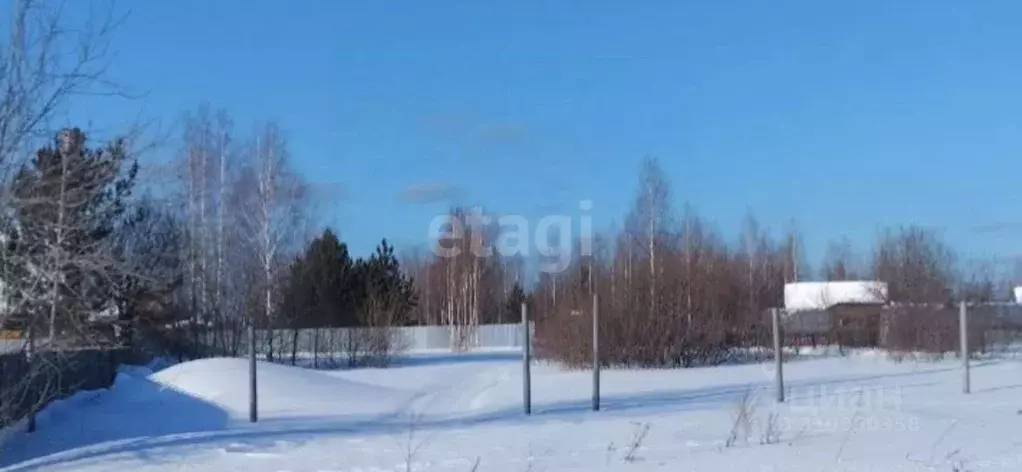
{"points": [[463, 412]]}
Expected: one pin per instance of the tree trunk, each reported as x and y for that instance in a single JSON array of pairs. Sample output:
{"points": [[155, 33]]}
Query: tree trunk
{"points": [[58, 248]]}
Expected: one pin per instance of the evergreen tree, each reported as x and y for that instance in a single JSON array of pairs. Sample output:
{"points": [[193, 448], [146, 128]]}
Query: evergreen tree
{"points": [[513, 305], [323, 287], [388, 296], [149, 241], [68, 201]]}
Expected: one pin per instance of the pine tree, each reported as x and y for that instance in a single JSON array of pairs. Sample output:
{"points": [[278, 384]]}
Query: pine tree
{"points": [[68, 201], [388, 296], [513, 304], [323, 288]]}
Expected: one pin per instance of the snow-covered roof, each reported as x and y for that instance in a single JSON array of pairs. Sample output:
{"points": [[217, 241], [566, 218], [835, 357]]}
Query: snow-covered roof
{"points": [[822, 295]]}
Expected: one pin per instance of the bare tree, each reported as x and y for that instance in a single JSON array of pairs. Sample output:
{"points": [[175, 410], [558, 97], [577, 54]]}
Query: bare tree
{"points": [[650, 222], [205, 168], [470, 276], [979, 283], [53, 280], [671, 293], [840, 262], [793, 254], [48, 60], [273, 198], [916, 264]]}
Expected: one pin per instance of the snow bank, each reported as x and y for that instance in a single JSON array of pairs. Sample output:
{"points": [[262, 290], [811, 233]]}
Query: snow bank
{"points": [[134, 407], [283, 390], [822, 295], [860, 412]]}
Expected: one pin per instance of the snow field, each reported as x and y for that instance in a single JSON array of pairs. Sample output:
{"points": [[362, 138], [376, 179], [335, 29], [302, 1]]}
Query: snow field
{"points": [[459, 412]]}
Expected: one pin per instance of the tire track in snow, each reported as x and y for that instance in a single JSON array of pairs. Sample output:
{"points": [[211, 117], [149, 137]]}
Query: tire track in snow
{"points": [[458, 393]]}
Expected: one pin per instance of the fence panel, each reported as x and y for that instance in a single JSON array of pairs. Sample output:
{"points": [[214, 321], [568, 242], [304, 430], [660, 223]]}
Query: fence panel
{"points": [[326, 341]]}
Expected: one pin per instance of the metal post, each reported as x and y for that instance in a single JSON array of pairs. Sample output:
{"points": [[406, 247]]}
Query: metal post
{"points": [[778, 355], [526, 375], [963, 330], [253, 398], [30, 357], [596, 353]]}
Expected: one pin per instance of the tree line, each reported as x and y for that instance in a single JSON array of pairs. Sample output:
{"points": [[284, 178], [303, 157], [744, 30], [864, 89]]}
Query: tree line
{"points": [[673, 290], [231, 242], [250, 252], [93, 255], [225, 234]]}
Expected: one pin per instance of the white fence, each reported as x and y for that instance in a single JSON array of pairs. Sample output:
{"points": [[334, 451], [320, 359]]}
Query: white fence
{"points": [[409, 338], [11, 345], [496, 336]]}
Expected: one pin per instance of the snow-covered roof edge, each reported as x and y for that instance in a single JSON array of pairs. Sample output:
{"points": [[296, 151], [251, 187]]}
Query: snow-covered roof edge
{"points": [[822, 295]]}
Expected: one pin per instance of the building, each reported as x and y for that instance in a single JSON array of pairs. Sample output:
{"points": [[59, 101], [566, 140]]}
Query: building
{"points": [[858, 313], [810, 308]]}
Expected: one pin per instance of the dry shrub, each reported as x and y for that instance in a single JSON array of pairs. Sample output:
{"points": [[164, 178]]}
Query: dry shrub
{"points": [[371, 346], [638, 436], [742, 419], [638, 340], [929, 329], [568, 339], [771, 432]]}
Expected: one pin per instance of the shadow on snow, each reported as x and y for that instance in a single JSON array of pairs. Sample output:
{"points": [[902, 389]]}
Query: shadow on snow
{"points": [[180, 420]]}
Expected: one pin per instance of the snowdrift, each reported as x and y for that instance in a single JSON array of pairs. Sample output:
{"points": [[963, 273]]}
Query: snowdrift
{"points": [[860, 412], [283, 390]]}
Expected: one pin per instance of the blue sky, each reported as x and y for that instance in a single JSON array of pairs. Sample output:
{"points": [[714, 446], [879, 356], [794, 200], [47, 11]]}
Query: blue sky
{"points": [[840, 115]]}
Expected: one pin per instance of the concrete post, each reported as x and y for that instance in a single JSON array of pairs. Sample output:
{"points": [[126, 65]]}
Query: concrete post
{"points": [[963, 330], [778, 355], [253, 394], [596, 352], [526, 358]]}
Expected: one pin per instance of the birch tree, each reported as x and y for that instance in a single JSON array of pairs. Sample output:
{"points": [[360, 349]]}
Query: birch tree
{"points": [[271, 215], [466, 283], [205, 167], [650, 224]]}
